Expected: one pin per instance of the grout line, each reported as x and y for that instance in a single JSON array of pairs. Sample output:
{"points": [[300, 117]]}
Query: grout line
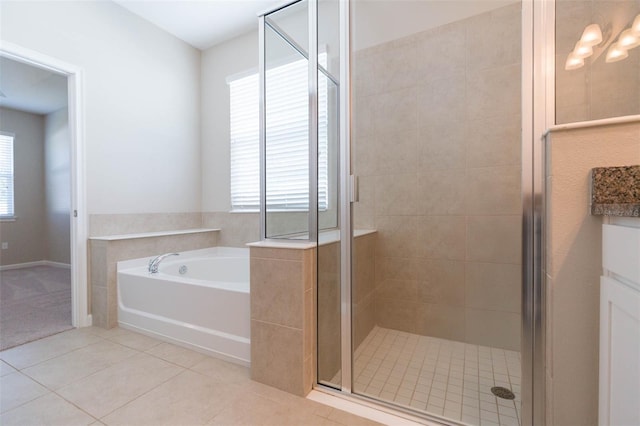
{"points": [[437, 355]]}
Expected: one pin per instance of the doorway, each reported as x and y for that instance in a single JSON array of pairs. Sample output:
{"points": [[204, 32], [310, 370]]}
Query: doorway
{"points": [[56, 268], [35, 295]]}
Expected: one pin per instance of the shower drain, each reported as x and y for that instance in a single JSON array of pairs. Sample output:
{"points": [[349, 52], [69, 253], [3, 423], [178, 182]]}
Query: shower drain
{"points": [[503, 393]]}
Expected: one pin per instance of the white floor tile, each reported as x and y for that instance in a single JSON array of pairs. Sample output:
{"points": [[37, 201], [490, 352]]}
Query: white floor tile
{"points": [[113, 387], [49, 409], [449, 378], [6, 369], [166, 385], [17, 389]]}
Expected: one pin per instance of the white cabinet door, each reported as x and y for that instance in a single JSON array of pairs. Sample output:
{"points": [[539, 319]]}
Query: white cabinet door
{"points": [[619, 391], [619, 354]]}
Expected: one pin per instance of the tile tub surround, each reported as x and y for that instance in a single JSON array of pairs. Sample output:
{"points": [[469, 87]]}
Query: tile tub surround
{"points": [[283, 316], [436, 147], [236, 229], [117, 377], [105, 252], [615, 191], [119, 224]]}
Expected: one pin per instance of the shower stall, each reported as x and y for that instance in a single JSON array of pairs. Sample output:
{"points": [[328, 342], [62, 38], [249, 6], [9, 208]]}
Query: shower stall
{"points": [[401, 147]]}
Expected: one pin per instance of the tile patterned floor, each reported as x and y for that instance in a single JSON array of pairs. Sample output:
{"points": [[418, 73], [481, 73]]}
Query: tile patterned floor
{"points": [[443, 377], [92, 376]]}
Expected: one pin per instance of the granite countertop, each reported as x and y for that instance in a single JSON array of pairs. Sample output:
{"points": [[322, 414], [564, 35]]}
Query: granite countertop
{"points": [[615, 191]]}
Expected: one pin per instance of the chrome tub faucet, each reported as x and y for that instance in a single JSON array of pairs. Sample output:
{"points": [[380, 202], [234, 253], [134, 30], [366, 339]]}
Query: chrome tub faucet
{"points": [[155, 262]]}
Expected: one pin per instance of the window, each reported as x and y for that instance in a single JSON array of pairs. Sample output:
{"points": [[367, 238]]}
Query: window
{"points": [[6, 176], [288, 187]]}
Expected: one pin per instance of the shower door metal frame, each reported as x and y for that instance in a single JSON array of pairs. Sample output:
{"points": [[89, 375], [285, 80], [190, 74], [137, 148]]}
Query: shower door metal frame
{"points": [[312, 58], [346, 198], [538, 112]]}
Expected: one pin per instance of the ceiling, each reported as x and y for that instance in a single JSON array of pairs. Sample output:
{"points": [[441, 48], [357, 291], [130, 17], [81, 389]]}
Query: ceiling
{"points": [[31, 89], [201, 23]]}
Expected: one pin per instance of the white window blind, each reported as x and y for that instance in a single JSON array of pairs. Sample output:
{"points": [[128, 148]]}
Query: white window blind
{"points": [[287, 155], [6, 176]]}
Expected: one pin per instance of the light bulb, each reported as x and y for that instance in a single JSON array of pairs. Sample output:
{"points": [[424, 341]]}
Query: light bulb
{"points": [[573, 62], [592, 35], [628, 40], [616, 53], [582, 50], [635, 27]]}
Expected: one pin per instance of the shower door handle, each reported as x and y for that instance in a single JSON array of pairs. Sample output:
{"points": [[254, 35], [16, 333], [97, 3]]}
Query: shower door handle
{"points": [[354, 192]]}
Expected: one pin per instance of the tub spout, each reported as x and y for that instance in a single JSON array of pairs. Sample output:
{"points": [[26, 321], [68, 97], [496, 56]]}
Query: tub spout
{"points": [[155, 262]]}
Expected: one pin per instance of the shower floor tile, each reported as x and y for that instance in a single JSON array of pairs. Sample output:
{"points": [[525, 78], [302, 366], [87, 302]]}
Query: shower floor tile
{"points": [[447, 378]]}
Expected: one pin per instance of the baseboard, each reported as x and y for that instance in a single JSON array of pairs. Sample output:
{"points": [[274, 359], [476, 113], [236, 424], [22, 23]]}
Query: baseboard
{"points": [[36, 263], [85, 322], [56, 264]]}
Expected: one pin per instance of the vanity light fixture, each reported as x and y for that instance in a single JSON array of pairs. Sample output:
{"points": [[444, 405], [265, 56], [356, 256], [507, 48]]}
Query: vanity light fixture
{"points": [[582, 50], [628, 40], [616, 53], [591, 36], [635, 27], [573, 62]]}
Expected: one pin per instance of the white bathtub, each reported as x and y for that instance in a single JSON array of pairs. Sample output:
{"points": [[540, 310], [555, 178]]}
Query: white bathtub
{"points": [[206, 308]]}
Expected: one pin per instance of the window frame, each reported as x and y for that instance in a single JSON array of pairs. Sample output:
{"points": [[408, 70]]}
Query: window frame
{"points": [[8, 137], [254, 205]]}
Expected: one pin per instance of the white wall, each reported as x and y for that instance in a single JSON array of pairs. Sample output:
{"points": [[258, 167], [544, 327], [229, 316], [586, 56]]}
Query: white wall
{"points": [[142, 94], [42, 188], [238, 55], [57, 174]]}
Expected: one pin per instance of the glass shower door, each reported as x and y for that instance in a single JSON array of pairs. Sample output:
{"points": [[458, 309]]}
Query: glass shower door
{"points": [[286, 115], [436, 146]]}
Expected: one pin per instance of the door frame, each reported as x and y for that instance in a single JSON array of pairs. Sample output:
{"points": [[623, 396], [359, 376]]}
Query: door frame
{"points": [[78, 217]]}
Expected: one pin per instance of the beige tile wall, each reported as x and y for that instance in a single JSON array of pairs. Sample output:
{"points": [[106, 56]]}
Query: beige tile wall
{"points": [[283, 318], [329, 307], [573, 266], [236, 229], [437, 149], [363, 286], [328, 297], [118, 224]]}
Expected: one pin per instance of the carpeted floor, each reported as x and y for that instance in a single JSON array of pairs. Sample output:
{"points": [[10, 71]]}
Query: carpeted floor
{"points": [[35, 302]]}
